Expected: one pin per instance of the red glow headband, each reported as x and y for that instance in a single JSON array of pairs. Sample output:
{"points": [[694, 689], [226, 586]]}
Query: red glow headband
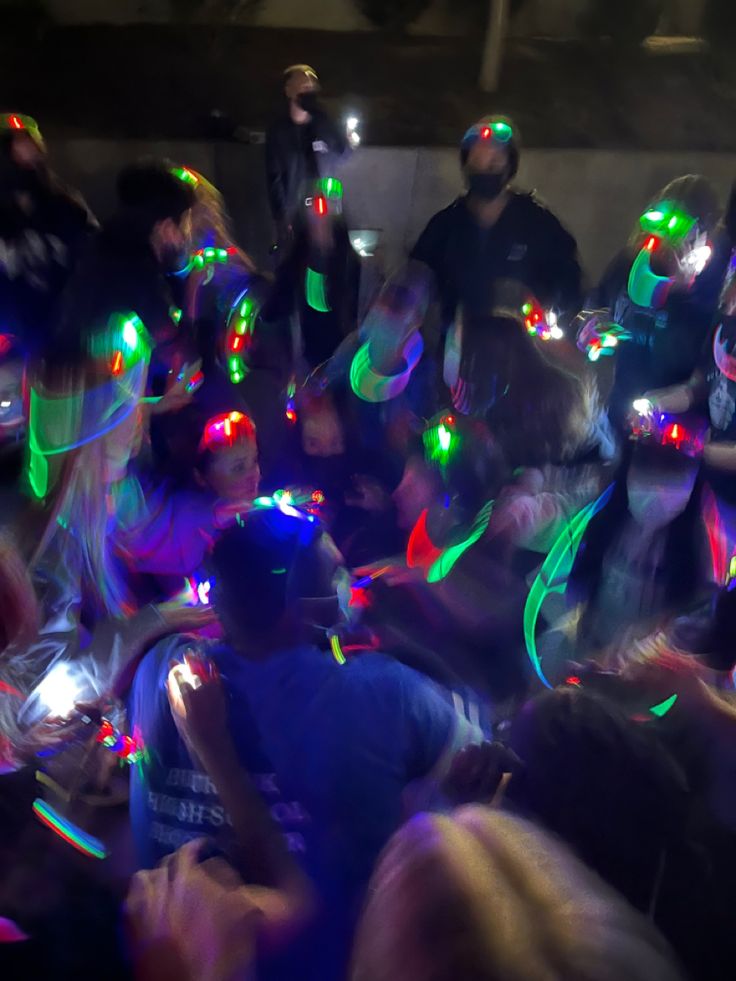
{"points": [[226, 430]]}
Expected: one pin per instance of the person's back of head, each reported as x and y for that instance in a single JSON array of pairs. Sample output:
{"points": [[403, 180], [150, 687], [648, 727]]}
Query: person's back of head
{"points": [[603, 783], [275, 571], [152, 188], [484, 896]]}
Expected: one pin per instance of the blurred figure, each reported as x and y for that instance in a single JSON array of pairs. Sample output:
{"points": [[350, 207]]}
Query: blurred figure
{"points": [[86, 420], [540, 411], [344, 739], [318, 280], [487, 896], [495, 233], [301, 146], [127, 264], [662, 291], [606, 785], [43, 227]]}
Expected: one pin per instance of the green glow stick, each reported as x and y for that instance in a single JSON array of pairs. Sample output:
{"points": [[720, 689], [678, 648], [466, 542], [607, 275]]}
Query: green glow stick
{"points": [[663, 707], [442, 566], [554, 575]]}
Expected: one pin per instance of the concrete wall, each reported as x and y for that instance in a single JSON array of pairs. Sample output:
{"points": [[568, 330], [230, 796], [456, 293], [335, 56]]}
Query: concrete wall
{"points": [[553, 18], [597, 194]]}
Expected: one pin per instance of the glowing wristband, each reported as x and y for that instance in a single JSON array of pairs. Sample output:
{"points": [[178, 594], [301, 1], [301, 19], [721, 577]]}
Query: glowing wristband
{"points": [[314, 288], [336, 649], [368, 385], [554, 575], [70, 833]]}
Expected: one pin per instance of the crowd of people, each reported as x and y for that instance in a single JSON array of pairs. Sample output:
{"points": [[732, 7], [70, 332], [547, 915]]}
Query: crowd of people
{"points": [[377, 637]]}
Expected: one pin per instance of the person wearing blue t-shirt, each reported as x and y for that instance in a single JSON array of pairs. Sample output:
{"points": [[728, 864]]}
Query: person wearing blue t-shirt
{"points": [[340, 751]]}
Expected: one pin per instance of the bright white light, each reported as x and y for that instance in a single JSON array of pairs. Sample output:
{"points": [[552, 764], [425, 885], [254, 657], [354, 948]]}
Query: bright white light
{"points": [[130, 334], [444, 437], [698, 259], [359, 243], [556, 332], [58, 691], [5, 404], [643, 406], [610, 340], [352, 123], [203, 592], [551, 318]]}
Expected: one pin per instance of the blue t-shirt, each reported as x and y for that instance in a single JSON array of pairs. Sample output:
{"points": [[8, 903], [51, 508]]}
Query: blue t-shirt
{"points": [[332, 747]]}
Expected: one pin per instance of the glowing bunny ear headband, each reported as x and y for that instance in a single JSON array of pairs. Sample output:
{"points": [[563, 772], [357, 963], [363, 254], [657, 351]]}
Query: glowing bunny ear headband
{"points": [[60, 423]]}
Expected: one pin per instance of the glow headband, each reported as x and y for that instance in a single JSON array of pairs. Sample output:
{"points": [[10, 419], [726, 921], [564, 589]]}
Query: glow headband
{"points": [[70, 833], [16, 122], [185, 175], [368, 385], [497, 129], [667, 220], [646, 288], [555, 573], [225, 430]]}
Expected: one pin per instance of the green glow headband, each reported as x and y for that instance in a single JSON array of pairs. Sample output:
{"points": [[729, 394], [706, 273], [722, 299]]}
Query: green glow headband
{"points": [[185, 175], [15, 122], [368, 385], [497, 129], [668, 221], [555, 573]]}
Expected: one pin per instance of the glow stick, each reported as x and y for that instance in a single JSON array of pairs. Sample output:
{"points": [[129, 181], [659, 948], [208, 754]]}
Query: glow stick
{"points": [[85, 843], [337, 649], [554, 575]]}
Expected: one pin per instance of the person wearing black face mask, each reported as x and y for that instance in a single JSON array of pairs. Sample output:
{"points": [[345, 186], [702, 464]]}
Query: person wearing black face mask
{"points": [[301, 146], [493, 233]]}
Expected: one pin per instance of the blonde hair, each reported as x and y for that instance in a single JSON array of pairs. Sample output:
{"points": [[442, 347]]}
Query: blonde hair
{"points": [[210, 218], [485, 896]]}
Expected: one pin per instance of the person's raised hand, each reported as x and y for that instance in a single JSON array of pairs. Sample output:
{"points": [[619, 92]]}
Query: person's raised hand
{"points": [[198, 703], [191, 920], [179, 616]]}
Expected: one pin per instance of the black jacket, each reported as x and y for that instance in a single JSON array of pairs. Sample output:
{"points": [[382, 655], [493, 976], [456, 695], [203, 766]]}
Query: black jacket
{"points": [[527, 245], [296, 155]]}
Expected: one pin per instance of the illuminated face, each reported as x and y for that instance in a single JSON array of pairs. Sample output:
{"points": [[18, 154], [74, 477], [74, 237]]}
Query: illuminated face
{"points": [[415, 493], [299, 82], [233, 472], [172, 241], [487, 156], [322, 435]]}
